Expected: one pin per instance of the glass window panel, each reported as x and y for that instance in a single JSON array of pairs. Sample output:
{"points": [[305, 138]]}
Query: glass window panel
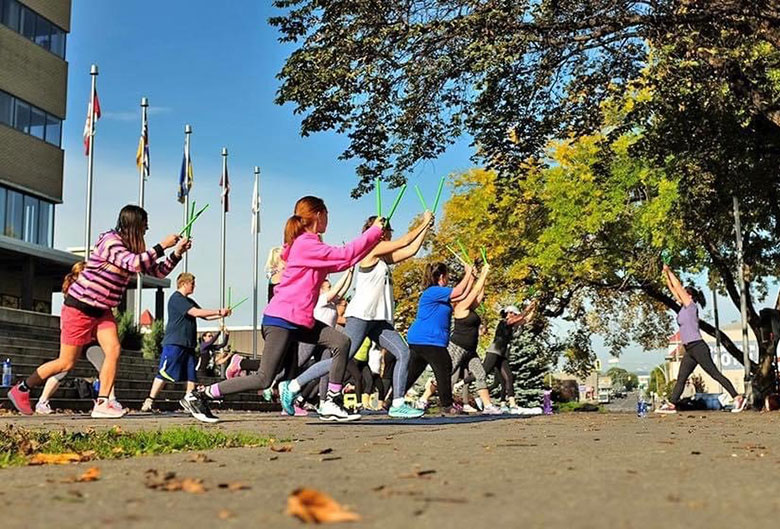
{"points": [[22, 116], [30, 226], [2, 210], [57, 41], [46, 223], [27, 23], [11, 14], [43, 33], [14, 214], [37, 122], [53, 130], [6, 109]]}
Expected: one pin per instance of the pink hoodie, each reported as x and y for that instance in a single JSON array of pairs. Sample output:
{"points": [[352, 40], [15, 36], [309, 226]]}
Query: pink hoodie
{"points": [[308, 262]]}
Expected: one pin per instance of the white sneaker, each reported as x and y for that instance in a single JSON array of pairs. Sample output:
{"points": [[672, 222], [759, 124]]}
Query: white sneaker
{"points": [[739, 404], [667, 408], [331, 411], [103, 410], [491, 410], [117, 405], [43, 408], [468, 408], [147, 405], [536, 410]]}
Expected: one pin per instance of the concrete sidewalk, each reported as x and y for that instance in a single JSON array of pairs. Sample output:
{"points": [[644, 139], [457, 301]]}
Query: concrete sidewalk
{"points": [[573, 470]]}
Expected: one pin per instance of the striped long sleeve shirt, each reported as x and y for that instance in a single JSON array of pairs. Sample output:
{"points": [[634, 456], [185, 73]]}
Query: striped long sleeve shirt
{"points": [[109, 269]]}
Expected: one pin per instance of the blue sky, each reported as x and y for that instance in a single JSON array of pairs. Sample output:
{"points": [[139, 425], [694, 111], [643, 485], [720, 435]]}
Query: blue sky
{"points": [[212, 65]]}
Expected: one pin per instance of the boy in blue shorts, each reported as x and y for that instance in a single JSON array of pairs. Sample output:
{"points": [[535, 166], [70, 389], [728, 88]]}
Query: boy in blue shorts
{"points": [[179, 358]]}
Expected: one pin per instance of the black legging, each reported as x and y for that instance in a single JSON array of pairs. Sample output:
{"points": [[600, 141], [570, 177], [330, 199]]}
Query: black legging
{"points": [[441, 363], [698, 353], [371, 380], [492, 361], [387, 378]]}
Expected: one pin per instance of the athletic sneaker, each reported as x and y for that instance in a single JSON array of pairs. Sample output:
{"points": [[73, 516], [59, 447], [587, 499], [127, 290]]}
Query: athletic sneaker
{"points": [[468, 408], [117, 405], [739, 404], [196, 405], [287, 397], [147, 405], [234, 366], [20, 400], [103, 410], [422, 404], [479, 403], [452, 411], [43, 408], [332, 410], [536, 410], [667, 408], [489, 410], [404, 411], [514, 410]]}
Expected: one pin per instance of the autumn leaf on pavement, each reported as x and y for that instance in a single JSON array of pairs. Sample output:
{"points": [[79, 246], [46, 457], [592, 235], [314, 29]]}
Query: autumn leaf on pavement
{"points": [[313, 506], [92, 474], [55, 459], [169, 482], [200, 458], [234, 486], [282, 448]]}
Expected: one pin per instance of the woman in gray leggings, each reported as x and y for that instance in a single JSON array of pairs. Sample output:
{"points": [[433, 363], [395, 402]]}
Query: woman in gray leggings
{"points": [[696, 350]]}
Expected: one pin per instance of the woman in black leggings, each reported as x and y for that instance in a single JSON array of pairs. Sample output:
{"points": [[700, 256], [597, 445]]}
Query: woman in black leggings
{"points": [[496, 356], [696, 350]]}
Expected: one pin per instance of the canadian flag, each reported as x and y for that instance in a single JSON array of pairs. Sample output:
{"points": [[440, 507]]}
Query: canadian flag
{"points": [[92, 117]]}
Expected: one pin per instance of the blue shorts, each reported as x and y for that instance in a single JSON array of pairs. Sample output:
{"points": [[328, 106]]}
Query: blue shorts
{"points": [[177, 364]]}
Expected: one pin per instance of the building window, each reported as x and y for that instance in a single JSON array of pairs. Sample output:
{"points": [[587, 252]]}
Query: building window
{"points": [[38, 29], [14, 214], [46, 224], [22, 116], [10, 14], [53, 130], [30, 219], [26, 217], [3, 198], [6, 109], [29, 119], [37, 122]]}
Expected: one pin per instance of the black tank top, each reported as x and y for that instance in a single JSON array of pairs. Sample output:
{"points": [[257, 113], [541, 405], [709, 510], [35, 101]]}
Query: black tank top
{"points": [[465, 333]]}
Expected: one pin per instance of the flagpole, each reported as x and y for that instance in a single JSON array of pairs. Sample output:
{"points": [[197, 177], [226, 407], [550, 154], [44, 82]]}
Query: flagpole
{"points": [[142, 181], [224, 232], [255, 258], [93, 72], [187, 132]]}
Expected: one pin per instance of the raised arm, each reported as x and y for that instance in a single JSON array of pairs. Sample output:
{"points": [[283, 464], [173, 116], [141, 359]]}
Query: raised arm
{"points": [[340, 288], [208, 314], [462, 289], [475, 290], [410, 250], [527, 313], [339, 258], [399, 249], [674, 285], [113, 250], [205, 344]]}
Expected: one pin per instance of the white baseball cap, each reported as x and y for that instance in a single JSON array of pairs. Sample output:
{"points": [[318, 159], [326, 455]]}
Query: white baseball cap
{"points": [[511, 308]]}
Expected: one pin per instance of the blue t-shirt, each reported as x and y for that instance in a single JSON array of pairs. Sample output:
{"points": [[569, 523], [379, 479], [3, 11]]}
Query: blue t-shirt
{"points": [[182, 329], [432, 324]]}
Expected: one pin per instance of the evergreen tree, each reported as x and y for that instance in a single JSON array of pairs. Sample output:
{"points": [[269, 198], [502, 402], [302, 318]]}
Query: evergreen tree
{"points": [[529, 363]]}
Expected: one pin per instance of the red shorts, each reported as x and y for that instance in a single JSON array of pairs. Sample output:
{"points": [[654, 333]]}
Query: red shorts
{"points": [[77, 328]]}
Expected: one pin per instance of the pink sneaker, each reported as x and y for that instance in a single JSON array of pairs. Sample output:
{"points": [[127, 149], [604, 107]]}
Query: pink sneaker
{"points": [[299, 412], [20, 400], [113, 403], [104, 410], [234, 366]]}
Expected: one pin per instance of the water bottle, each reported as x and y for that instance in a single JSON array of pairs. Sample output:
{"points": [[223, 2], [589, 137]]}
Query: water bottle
{"points": [[8, 374], [96, 386], [641, 407], [547, 408]]}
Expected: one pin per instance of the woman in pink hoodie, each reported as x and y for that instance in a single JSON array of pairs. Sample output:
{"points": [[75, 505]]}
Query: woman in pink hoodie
{"points": [[289, 316]]}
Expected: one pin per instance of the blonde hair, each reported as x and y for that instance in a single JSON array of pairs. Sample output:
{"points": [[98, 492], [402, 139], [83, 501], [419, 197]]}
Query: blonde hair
{"points": [[184, 278], [74, 274]]}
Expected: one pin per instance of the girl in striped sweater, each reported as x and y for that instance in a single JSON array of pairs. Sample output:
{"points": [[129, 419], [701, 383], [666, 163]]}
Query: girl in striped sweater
{"points": [[91, 295]]}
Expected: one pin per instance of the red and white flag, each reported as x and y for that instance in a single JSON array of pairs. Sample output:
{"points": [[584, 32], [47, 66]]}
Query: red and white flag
{"points": [[92, 117]]}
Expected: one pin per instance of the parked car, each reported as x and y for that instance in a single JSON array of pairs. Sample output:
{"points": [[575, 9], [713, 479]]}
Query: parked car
{"points": [[604, 395]]}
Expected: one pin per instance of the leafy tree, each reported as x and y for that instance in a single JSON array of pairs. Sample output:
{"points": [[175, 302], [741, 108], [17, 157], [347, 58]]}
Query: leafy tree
{"points": [[622, 378], [403, 80]]}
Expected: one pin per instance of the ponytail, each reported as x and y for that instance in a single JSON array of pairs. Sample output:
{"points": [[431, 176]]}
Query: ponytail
{"points": [[432, 273], [71, 278], [697, 296], [306, 213]]}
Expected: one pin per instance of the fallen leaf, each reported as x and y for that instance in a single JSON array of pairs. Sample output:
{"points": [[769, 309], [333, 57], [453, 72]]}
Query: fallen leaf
{"points": [[55, 459], [234, 486], [282, 448], [331, 458], [273, 458], [695, 453], [169, 482], [225, 514], [419, 474], [325, 451], [309, 505], [92, 474], [200, 458]]}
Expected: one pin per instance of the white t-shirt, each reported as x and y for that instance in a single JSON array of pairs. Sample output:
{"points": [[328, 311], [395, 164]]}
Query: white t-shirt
{"points": [[373, 298], [325, 311]]}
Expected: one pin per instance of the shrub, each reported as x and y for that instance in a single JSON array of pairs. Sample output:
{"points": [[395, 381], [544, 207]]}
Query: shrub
{"points": [[152, 341], [129, 336]]}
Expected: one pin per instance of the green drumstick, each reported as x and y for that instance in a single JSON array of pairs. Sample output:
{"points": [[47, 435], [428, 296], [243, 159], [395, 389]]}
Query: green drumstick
{"points": [[378, 187], [237, 304], [192, 220], [397, 201], [438, 195], [419, 195]]}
